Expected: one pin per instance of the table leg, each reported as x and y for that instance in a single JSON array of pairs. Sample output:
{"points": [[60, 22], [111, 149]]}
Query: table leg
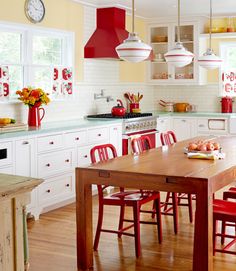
{"points": [[202, 256], [84, 222]]}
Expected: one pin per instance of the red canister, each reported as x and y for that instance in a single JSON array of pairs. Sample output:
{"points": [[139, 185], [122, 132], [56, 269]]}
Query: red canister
{"points": [[226, 104]]}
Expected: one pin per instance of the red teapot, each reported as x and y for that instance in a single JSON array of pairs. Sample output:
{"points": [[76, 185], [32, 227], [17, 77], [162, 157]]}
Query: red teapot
{"points": [[119, 110]]}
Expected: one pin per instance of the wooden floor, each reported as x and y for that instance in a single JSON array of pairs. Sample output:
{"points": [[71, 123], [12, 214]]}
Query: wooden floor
{"points": [[52, 243]]}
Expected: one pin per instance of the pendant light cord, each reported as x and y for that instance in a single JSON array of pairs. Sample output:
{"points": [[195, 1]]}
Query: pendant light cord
{"points": [[132, 16], [210, 28], [178, 28]]}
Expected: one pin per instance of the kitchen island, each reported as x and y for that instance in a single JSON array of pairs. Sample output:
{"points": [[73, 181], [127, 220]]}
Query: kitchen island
{"points": [[14, 196]]}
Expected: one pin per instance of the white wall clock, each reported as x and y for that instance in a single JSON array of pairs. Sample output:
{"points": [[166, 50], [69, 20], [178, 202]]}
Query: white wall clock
{"points": [[34, 10]]}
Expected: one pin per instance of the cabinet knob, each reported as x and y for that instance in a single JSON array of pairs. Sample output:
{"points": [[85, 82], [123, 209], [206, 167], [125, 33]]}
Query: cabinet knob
{"points": [[67, 185], [48, 165], [48, 191], [67, 160], [99, 134], [51, 142], [85, 156], [169, 75], [25, 142], [77, 138]]}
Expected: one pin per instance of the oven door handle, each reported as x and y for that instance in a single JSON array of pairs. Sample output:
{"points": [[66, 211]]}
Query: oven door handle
{"points": [[148, 133]]}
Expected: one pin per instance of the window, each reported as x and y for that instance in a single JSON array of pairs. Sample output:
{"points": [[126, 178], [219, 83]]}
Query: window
{"points": [[29, 56], [228, 69]]}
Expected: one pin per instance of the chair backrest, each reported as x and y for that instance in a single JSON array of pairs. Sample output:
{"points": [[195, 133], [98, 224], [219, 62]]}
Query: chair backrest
{"points": [[140, 144], [102, 153], [168, 138]]}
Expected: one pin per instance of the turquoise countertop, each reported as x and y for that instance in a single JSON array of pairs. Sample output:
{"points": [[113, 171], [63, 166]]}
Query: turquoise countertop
{"points": [[59, 126], [194, 114]]}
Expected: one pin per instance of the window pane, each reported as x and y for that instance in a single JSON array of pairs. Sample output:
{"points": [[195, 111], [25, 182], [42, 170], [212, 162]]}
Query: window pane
{"points": [[10, 47], [231, 57], [47, 50], [15, 79], [42, 78]]}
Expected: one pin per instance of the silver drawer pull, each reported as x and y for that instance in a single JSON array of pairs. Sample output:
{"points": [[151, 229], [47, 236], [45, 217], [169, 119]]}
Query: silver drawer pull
{"points": [[25, 142], [67, 160], [48, 165], [48, 191], [51, 142], [67, 185], [99, 134], [77, 138]]}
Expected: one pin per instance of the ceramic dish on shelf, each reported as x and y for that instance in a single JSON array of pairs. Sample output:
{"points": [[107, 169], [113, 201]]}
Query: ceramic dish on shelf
{"points": [[159, 39]]}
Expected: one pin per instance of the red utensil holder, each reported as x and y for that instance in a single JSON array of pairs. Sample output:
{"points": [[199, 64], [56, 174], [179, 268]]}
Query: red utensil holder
{"points": [[133, 106]]}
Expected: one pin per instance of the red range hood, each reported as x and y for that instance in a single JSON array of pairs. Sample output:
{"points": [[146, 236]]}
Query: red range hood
{"points": [[110, 33]]}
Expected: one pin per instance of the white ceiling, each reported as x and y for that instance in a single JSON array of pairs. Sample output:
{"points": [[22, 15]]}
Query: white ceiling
{"points": [[161, 8]]}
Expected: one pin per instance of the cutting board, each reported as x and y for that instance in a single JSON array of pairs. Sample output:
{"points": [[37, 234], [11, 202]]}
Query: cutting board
{"points": [[13, 127]]}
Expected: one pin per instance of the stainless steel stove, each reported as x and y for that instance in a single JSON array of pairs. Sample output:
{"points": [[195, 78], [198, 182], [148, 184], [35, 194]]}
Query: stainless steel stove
{"points": [[132, 123]]}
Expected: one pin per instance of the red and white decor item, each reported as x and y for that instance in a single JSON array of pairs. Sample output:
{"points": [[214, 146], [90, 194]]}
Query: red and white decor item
{"points": [[229, 83], [4, 82], [62, 81]]}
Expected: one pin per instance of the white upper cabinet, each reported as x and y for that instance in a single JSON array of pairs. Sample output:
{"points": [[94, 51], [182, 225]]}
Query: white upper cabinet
{"points": [[162, 38]]}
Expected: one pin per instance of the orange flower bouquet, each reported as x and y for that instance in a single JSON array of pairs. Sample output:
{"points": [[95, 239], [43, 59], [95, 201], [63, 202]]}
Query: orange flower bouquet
{"points": [[33, 96]]}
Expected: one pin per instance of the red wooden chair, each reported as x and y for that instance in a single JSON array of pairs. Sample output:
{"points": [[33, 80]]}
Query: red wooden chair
{"points": [[167, 139], [123, 198], [224, 211], [140, 144]]}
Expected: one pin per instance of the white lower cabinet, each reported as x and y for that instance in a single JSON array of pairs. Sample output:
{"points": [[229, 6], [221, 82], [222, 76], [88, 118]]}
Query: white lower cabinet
{"points": [[115, 138], [184, 128]]}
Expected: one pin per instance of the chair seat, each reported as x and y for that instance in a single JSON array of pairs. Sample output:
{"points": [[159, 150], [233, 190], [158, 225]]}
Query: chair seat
{"points": [[224, 209]]}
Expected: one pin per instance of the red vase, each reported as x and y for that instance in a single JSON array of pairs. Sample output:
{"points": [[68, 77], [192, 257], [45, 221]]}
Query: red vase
{"points": [[34, 118]]}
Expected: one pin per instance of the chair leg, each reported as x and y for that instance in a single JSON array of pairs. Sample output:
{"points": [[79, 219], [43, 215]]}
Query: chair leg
{"points": [[190, 208], [99, 226], [223, 232], [214, 235], [121, 221], [158, 217], [175, 211], [136, 214], [153, 209], [167, 200]]}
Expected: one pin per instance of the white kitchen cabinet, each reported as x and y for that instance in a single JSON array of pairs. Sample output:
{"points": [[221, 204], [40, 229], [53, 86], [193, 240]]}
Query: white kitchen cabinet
{"points": [[116, 138], [25, 165], [162, 38], [184, 128], [163, 125]]}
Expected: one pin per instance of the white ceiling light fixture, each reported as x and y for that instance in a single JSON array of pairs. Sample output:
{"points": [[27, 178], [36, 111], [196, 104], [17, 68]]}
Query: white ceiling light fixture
{"points": [[133, 49], [209, 60], [179, 56]]}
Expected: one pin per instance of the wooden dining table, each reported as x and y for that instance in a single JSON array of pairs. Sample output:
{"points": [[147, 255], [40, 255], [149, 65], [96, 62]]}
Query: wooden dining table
{"points": [[160, 169]]}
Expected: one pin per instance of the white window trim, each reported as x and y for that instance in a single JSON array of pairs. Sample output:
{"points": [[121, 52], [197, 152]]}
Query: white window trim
{"points": [[27, 32]]}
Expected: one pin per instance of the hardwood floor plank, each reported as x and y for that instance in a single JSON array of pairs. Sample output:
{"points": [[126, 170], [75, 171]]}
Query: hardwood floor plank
{"points": [[52, 243]]}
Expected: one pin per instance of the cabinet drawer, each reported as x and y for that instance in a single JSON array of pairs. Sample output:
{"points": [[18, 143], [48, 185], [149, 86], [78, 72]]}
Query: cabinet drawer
{"points": [[202, 125], [53, 189], [75, 139], [5, 153], [83, 155], [48, 143], [97, 135], [56, 162]]}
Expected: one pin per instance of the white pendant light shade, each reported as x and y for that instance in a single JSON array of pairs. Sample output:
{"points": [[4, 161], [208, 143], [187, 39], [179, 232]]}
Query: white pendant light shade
{"points": [[133, 49], [209, 60], [179, 56]]}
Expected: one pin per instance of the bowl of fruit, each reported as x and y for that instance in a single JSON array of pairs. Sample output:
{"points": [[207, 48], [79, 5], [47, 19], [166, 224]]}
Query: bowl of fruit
{"points": [[203, 146]]}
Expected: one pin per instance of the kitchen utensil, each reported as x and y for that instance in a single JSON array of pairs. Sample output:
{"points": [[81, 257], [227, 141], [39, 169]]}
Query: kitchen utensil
{"points": [[191, 108], [118, 110], [226, 104], [127, 96], [181, 107], [168, 106]]}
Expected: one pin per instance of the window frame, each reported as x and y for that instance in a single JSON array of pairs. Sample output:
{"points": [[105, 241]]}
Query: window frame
{"points": [[27, 33]]}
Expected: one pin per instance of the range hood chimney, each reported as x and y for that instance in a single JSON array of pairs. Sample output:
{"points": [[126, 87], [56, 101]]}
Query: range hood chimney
{"points": [[110, 33]]}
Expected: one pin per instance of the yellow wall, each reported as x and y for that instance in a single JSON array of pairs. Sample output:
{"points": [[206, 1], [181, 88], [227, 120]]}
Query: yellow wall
{"points": [[60, 14], [134, 72]]}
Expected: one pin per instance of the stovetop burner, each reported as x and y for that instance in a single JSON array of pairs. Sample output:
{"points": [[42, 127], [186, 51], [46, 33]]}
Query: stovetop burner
{"points": [[126, 116]]}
